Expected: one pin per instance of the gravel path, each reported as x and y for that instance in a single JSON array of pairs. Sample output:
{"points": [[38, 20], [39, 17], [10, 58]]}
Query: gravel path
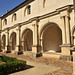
{"points": [[43, 66], [37, 69]]}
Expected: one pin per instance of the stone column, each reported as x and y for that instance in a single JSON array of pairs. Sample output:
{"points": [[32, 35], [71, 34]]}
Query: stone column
{"points": [[65, 47], [73, 63], [7, 48], [35, 47], [18, 41], [41, 44], [63, 30], [35, 40], [22, 43], [67, 20]]}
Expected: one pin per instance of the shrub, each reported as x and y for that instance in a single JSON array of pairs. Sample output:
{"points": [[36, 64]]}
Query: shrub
{"points": [[11, 65], [6, 59]]}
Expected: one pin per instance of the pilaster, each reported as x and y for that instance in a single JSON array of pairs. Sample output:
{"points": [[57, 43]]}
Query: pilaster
{"points": [[63, 30], [35, 47], [18, 41], [7, 48], [68, 36]]}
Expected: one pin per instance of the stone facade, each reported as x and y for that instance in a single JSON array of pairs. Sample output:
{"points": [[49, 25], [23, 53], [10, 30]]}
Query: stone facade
{"points": [[39, 28]]}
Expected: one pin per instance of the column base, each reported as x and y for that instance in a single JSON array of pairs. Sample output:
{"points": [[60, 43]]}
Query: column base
{"points": [[7, 49], [66, 58], [36, 51], [18, 52], [65, 49], [35, 55], [66, 53], [18, 48], [0, 50]]}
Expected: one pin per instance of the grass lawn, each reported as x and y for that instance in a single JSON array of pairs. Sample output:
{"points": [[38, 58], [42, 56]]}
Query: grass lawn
{"points": [[9, 65]]}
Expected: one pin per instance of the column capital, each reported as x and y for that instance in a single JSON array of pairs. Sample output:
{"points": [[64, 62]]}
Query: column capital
{"points": [[68, 35], [69, 9], [62, 17], [40, 39], [33, 24], [22, 41], [36, 19], [7, 32], [18, 28], [68, 17]]}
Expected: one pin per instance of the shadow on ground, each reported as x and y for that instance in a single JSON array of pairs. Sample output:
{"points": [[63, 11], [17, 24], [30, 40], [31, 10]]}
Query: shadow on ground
{"points": [[27, 67]]}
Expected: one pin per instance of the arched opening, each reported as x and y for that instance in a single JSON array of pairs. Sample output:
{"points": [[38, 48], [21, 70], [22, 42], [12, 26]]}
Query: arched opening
{"points": [[3, 41], [14, 17], [44, 1], [28, 40], [5, 22], [52, 38], [27, 10], [13, 41]]}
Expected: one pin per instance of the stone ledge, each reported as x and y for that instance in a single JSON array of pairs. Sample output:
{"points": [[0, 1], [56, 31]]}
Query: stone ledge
{"points": [[66, 57], [18, 52]]}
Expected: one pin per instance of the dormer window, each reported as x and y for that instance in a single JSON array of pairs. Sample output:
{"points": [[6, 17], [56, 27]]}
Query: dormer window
{"points": [[14, 17], [5, 21], [44, 1], [27, 10]]}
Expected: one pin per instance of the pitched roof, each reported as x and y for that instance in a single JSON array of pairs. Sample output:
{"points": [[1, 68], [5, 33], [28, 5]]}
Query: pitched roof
{"points": [[17, 7]]}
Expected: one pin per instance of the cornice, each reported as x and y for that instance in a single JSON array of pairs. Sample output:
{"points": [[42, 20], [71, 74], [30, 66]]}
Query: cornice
{"points": [[57, 11], [65, 8], [38, 18]]}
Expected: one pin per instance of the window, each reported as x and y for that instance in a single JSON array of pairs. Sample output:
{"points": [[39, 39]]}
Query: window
{"points": [[27, 10], [14, 17], [44, 1], [5, 22]]}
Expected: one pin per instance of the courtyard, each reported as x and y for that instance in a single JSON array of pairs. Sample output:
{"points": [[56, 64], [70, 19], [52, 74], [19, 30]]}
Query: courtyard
{"points": [[43, 66]]}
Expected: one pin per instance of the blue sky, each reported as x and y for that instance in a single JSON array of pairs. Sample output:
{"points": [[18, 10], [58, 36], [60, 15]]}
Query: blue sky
{"points": [[8, 4]]}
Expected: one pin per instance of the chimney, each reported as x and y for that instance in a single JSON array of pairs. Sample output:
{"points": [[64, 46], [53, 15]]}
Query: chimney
{"points": [[6, 11], [1, 15]]}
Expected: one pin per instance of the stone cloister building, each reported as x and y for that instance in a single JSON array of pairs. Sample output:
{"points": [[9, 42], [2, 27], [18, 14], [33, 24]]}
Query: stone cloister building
{"points": [[39, 27]]}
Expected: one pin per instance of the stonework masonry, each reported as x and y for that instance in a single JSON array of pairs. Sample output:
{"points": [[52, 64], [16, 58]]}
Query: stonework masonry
{"points": [[39, 28]]}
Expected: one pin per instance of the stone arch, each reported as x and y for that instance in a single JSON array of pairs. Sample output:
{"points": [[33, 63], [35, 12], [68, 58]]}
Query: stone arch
{"points": [[51, 36], [27, 11], [44, 1], [48, 24], [14, 17], [27, 39], [5, 22], [13, 41], [3, 41]]}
